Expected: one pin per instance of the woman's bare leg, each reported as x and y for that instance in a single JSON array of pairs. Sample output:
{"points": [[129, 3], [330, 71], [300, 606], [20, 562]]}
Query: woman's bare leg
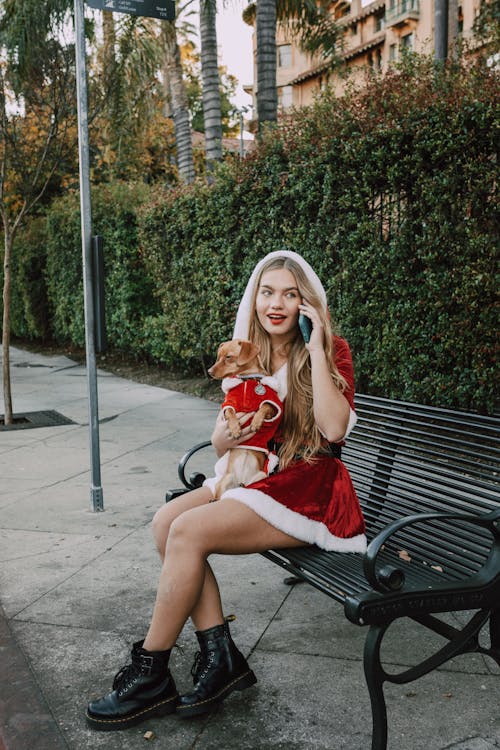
{"points": [[166, 515], [225, 527], [207, 612]]}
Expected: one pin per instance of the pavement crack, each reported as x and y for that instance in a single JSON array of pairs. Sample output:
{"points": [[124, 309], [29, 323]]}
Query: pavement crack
{"points": [[79, 570], [273, 617]]}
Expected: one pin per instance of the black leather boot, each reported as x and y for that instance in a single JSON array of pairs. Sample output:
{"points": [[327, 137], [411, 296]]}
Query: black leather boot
{"points": [[142, 689], [224, 669], [201, 656]]}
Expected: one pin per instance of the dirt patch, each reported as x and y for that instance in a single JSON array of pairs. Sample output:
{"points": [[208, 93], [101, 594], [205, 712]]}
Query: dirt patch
{"points": [[140, 372]]}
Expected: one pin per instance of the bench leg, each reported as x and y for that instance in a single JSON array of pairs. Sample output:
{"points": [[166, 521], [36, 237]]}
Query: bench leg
{"points": [[375, 676]]}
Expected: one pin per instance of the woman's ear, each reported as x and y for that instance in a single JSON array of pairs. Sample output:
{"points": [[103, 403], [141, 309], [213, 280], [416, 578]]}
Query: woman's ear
{"points": [[248, 351]]}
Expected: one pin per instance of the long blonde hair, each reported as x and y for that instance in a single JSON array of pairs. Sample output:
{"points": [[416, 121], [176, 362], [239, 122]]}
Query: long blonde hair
{"points": [[298, 428]]}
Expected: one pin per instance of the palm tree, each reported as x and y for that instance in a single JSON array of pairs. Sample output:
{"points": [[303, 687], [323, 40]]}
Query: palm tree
{"points": [[310, 22], [176, 91], [267, 94], [212, 114]]}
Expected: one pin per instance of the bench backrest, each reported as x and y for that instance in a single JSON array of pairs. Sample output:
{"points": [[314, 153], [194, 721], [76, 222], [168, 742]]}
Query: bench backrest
{"points": [[406, 458]]}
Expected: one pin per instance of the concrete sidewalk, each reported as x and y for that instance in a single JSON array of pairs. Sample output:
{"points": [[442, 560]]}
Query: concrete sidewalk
{"points": [[77, 589]]}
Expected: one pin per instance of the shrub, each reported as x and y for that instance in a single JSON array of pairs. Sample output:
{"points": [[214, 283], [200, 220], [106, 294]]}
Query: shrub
{"points": [[389, 192], [128, 289]]}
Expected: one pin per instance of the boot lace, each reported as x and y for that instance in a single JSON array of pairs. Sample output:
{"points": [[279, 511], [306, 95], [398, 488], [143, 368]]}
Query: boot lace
{"points": [[197, 664], [125, 677]]}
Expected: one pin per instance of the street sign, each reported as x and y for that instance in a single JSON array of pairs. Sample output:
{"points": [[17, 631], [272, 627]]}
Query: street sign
{"points": [[163, 9]]}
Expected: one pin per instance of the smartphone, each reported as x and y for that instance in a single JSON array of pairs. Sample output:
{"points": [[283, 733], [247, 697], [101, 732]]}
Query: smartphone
{"points": [[305, 326]]}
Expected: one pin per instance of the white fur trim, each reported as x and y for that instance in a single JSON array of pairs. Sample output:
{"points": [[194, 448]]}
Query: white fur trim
{"points": [[229, 383], [242, 325], [281, 377], [219, 469], [272, 419], [294, 524], [271, 381], [272, 462], [276, 406], [353, 418]]}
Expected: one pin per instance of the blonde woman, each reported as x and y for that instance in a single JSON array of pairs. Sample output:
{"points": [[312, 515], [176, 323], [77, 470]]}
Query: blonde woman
{"points": [[309, 499]]}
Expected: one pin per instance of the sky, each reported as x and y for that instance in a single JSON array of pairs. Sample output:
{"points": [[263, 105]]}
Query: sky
{"points": [[234, 39]]}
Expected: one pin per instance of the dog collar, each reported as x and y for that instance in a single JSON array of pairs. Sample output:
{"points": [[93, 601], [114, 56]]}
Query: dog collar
{"points": [[260, 388]]}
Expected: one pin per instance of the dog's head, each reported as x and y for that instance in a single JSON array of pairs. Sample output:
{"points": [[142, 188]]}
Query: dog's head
{"points": [[233, 358]]}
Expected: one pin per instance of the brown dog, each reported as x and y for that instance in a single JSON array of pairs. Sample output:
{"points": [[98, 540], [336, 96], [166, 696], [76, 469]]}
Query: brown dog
{"points": [[247, 389]]}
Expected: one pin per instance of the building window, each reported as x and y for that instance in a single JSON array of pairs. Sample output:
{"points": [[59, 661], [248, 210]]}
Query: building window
{"points": [[407, 42], [354, 29], [380, 22], [393, 52], [285, 56], [286, 99]]}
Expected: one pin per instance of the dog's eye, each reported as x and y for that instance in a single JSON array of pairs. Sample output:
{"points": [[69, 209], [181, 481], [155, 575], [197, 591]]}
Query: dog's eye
{"points": [[229, 357]]}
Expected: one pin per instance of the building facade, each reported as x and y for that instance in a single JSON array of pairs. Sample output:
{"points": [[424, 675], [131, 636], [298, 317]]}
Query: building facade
{"points": [[373, 34]]}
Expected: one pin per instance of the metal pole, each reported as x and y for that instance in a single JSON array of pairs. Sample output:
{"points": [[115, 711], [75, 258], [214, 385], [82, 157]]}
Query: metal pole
{"points": [[86, 219], [440, 29]]}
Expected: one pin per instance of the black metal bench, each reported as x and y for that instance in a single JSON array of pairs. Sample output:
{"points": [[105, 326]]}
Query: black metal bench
{"points": [[427, 480]]}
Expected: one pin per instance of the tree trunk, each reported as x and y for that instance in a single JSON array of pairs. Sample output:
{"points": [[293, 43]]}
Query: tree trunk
{"points": [[109, 41], [7, 393], [267, 95], [179, 103], [212, 116]]}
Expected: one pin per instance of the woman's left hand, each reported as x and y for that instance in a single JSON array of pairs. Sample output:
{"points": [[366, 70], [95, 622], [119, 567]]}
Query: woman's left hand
{"points": [[317, 340]]}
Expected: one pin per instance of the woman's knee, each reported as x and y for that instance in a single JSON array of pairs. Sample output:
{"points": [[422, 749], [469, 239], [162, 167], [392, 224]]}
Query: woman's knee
{"points": [[185, 533], [160, 526], [169, 513]]}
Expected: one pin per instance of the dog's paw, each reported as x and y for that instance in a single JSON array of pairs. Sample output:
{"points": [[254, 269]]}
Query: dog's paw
{"points": [[256, 424]]}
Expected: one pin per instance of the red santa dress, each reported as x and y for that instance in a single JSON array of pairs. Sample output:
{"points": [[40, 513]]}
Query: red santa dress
{"points": [[313, 501]]}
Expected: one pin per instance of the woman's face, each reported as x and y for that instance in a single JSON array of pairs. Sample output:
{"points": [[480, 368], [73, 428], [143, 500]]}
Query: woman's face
{"points": [[277, 302]]}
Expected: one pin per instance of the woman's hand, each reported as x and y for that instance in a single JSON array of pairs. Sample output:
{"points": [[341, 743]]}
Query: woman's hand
{"points": [[317, 340], [222, 440], [331, 408]]}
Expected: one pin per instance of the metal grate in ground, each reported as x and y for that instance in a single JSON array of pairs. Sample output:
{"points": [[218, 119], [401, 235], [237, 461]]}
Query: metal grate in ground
{"points": [[31, 419]]}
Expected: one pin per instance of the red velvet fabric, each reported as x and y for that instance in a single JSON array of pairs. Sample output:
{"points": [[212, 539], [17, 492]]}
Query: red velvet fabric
{"points": [[322, 490]]}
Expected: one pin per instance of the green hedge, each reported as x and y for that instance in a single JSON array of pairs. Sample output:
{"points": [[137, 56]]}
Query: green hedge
{"points": [[389, 193], [48, 277], [128, 288]]}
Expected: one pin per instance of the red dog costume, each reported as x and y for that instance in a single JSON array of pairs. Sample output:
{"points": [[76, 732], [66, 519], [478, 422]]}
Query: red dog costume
{"points": [[245, 394]]}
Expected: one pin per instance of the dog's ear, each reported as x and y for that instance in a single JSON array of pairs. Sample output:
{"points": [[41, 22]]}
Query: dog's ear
{"points": [[248, 351]]}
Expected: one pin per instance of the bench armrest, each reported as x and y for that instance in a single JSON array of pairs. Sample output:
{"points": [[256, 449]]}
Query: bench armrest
{"points": [[391, 578], [196, 479]]}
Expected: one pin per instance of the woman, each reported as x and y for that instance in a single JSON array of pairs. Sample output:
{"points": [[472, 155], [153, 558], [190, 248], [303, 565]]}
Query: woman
{"points": [[309, 500]]}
